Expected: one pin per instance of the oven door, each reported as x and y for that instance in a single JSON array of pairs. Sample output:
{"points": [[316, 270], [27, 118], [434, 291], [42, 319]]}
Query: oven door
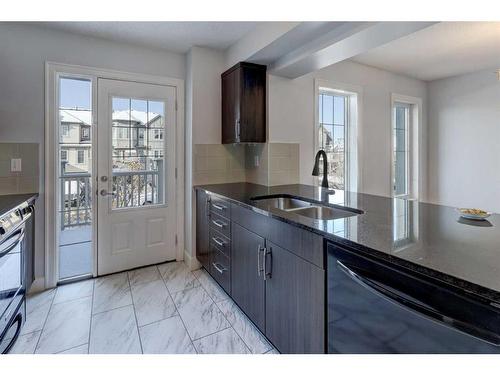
{"points": [[11, 276]]}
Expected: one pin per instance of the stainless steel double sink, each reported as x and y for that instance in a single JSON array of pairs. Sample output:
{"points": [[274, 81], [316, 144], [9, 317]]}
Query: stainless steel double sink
{"points": [[313, 210]]}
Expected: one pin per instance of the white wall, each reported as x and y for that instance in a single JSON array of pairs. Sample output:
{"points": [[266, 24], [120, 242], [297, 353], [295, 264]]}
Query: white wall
{"points": [[203, 122], [23, 51], [291, 117], [464, 133]]}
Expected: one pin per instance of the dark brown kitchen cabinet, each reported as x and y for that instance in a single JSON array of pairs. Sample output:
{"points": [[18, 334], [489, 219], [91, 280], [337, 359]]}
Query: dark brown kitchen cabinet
{"points": [[244, 104], [247, 282], [202, 228], [274, 271], [295, 302]]}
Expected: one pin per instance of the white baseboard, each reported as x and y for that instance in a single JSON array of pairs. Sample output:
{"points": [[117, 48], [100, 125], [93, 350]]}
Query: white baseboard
{"points": [[38, 285], [191, 261]]}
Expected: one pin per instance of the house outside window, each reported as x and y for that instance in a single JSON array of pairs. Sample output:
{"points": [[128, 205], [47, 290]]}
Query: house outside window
{"points": [[64, 155], [81, 156], [84, 133], [158, 134], [65, 130]]}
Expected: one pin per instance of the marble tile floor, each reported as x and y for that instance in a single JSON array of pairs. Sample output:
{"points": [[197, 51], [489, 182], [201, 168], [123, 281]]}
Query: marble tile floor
{"points": [[164, 309]]}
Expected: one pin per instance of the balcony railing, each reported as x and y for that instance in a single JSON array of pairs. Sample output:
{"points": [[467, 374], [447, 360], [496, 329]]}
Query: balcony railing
{"points": [[137, 188], [130, 189], [76, 199]]}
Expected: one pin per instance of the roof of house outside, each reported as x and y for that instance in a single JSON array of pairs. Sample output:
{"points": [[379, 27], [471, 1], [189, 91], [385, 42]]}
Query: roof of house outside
{"points": [[138, 116], [84, 116], [78, 116]]}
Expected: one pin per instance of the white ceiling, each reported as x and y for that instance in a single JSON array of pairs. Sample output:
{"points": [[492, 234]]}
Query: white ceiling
{"points": [[171, 36], [442, 50]]}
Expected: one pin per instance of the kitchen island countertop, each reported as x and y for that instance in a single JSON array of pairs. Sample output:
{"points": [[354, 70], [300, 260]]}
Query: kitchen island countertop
{"points": [[425, 238]]}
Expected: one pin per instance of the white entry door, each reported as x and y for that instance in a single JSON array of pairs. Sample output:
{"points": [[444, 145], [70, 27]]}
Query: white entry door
{"points": [[136, 217]]}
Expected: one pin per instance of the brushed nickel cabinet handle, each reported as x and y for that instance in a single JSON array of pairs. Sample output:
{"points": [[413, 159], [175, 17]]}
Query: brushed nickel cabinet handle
{"points": [[219, 268], [219, 207], [218, 241], [259, 267], [218, 223]]}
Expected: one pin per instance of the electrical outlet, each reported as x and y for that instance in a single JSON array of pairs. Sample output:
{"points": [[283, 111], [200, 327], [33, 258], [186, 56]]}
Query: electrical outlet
{"points": [[15, 165]]}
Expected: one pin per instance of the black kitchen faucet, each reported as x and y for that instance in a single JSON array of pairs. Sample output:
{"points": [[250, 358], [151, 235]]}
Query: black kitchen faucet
{"points": [[315, 171]]}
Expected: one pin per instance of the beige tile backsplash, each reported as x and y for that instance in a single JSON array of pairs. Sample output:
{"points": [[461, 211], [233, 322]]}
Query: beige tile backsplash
{"points": [[266, 164], [25, 181], [216, 163]]}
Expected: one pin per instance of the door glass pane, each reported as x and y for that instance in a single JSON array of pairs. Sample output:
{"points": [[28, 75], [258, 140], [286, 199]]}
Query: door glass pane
{"points": [[75, 177], [138, 133]]}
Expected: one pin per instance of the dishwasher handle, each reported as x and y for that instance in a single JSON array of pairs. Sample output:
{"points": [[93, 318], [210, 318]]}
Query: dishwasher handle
{"points": [[418, 307]]}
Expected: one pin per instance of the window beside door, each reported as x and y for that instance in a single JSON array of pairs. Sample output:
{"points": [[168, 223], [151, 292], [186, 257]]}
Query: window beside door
{"points": [[74, 105], [405, 147]]}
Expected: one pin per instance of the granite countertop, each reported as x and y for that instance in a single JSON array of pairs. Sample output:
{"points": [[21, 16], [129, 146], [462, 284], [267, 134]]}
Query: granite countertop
{"points": [[8, 202], [426, 238]]}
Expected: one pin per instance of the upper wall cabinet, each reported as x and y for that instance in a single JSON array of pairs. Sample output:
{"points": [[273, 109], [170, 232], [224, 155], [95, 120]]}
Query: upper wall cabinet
{"points": [[244, 104]]}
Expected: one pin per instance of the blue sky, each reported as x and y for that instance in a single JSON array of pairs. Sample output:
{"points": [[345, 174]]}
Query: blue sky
{"points": [[76, 93]]}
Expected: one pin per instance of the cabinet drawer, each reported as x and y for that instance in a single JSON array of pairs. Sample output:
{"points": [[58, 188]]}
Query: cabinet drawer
{"points": [[250, 220], [221, 224], [220, 207], [220, 269], [220, 242]]}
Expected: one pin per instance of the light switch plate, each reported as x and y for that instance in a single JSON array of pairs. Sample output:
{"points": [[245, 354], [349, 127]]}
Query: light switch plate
{"points": [[15, 165]]}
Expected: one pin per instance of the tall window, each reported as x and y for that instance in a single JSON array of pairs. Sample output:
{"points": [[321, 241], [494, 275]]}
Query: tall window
{"points": [[333, 135], [75, 176], [401, 148], [81, 157]]}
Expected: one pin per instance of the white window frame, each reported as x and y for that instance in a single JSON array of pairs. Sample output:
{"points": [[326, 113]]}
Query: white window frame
{"points": [[414, 161], [353, 148], [53, 71]]}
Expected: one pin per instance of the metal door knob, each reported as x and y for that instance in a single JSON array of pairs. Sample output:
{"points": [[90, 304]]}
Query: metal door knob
{"points": [[104, 193]]}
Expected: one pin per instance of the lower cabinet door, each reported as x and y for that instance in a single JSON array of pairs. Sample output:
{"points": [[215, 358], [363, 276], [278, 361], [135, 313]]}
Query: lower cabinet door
{"points": [[247, 282], [295, 302]]}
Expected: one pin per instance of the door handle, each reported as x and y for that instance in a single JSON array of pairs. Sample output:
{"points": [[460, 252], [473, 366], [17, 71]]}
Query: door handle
{"points": [[104, 193]]}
